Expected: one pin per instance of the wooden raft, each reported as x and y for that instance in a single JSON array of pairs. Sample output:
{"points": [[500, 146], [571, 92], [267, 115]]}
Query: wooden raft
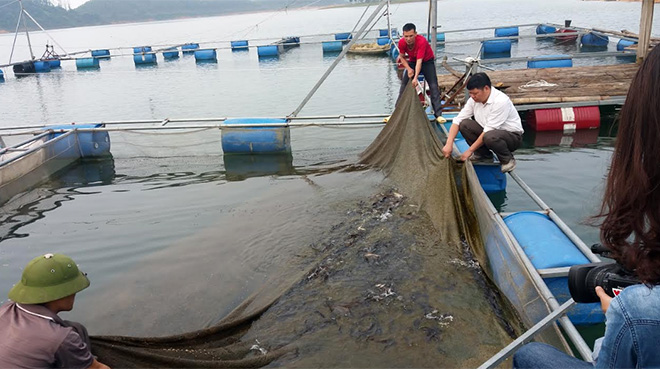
{"points": [[574, 84]]}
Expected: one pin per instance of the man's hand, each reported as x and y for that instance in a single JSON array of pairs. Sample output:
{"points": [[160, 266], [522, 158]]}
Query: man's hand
{"points": [[605, 299], [466, 155], [446, 150], [411, 72], [415, 82]]}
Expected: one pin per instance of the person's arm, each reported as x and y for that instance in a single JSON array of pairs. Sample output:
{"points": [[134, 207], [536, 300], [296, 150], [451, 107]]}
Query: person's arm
{"points": [[97, 365], [418, 70], [406, 66], [617, 347], [475, 145], [466, 112]]}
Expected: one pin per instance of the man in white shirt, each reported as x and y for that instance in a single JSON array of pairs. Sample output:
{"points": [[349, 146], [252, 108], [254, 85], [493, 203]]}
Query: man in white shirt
{"points": [[496, 125]]}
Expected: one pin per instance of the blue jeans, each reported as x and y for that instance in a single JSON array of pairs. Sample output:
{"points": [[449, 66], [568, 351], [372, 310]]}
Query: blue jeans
{"points": [[540, 355]]}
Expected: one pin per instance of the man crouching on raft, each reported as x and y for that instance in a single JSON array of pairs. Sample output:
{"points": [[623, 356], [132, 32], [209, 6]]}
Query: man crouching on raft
{"points": [[32, 335], [496, 125]]}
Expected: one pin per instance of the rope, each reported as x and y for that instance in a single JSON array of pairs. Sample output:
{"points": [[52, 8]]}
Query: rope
{"points": [[536, 84], [13, 2]]}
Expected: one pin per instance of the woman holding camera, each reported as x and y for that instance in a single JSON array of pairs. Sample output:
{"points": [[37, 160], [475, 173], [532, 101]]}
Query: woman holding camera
{"points": [[631, 230]]}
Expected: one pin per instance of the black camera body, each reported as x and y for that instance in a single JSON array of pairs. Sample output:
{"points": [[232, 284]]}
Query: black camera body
{"points": [[612, 277]]}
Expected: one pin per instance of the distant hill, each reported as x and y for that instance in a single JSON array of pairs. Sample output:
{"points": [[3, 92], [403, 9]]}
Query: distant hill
{"points": [[98, 12]]}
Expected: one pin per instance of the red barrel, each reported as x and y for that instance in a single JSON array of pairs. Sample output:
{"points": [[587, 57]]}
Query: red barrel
{"points": [[568, 38], [564, 119]]}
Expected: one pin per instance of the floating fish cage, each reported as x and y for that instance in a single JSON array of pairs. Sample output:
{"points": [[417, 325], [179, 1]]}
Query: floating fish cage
{"points": [[189, 48], [240, 45], [268, 51], [207, 55], [87, 63], [102, 54], [171, 53], [550, 61], [256, 140]]}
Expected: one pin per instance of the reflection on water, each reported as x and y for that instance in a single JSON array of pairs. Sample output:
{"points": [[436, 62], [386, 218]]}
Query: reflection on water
{"points": [[240, 167]]}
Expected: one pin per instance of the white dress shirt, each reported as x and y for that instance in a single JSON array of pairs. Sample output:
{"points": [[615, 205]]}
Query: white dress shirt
{"points": [[498, 113]]}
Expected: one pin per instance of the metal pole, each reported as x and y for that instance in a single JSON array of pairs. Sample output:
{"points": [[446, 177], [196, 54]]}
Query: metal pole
{"points": [[434, 25], [27, 34], [46, 32], [645, 24], [359, 20], [526, 337], [339, 58], [389, 23], [13, 45]]}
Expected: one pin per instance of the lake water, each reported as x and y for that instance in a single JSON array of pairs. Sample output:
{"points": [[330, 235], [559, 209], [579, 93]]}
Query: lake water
{"points": [[167, 204]]}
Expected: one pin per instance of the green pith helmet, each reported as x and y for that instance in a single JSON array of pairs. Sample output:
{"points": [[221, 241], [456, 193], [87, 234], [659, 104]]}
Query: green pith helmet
{"points": [[48, 278]]}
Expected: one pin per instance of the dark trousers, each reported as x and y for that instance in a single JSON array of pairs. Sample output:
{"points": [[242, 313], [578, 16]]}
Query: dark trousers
{"points": [[431, 77], [503, 143]]}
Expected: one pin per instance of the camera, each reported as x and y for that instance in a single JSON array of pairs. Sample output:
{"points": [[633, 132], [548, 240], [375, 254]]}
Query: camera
{"points": [[613, 277]]}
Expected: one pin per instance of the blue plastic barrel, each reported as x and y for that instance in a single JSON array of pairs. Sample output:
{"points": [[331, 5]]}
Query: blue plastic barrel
{"points": [[2, 76], [103, 53], [506, 32], [54, 63], [394, 52], [255, 140], [594, 39], [383, 40], [41, 66], [382, 32], [440, 37], [145, 59], [171, 53], [550, 61], [189, 48], [91, 144], [622, 44], [268, 50], [345, 36], [206, 55], [543, 29], [496, 46], [239, 45], [332, 46], [141, 49], [87, 63]]}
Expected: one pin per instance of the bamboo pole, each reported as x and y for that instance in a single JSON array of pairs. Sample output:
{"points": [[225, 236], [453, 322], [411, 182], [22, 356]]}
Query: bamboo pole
{"points": [[645, 25]]}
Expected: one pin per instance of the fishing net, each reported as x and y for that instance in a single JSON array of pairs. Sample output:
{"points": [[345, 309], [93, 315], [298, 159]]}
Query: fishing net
{"points": [[394, 284]]}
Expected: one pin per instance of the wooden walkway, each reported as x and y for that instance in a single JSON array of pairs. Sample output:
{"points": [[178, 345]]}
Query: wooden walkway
{"points": [[574, 84]]}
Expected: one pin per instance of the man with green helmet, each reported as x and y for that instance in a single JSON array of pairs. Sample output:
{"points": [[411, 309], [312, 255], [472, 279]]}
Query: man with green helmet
{"points": [[32, 334]]}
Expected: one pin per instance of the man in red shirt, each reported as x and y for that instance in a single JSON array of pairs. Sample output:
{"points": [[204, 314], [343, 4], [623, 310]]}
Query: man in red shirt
{"points": [[421, 60]]}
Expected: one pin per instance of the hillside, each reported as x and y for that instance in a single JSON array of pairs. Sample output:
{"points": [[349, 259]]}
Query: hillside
{"points": [[98, 12]]}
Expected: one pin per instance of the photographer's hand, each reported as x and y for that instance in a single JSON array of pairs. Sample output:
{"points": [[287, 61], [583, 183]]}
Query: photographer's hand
{"points": [[605, 299]]}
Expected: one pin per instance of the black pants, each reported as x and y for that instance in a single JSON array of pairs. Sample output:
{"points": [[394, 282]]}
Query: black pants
{"points": [[503, 143], [431, 77]]}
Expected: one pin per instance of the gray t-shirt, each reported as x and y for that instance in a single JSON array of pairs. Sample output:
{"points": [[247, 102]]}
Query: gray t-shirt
{"points": [[31, 336]]}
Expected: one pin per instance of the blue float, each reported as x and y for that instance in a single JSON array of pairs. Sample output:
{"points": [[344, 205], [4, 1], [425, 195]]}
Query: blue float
{"points": [[207, 55], [239, 45], [547, 246], [141, 49], [383, 32], [54, 63], [345, 36], [2, 76], [550, 61], [594, 40], [496, 46], [41, 66], [87, 63], [383, 40], [91, 144], [145, 59], [171, 53], [543, 29], [394, 52], [506, 32], [623, 44], [189, 48], [268, 51], [103, 53], [440, 37], [332, 46], [255, 140]]}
